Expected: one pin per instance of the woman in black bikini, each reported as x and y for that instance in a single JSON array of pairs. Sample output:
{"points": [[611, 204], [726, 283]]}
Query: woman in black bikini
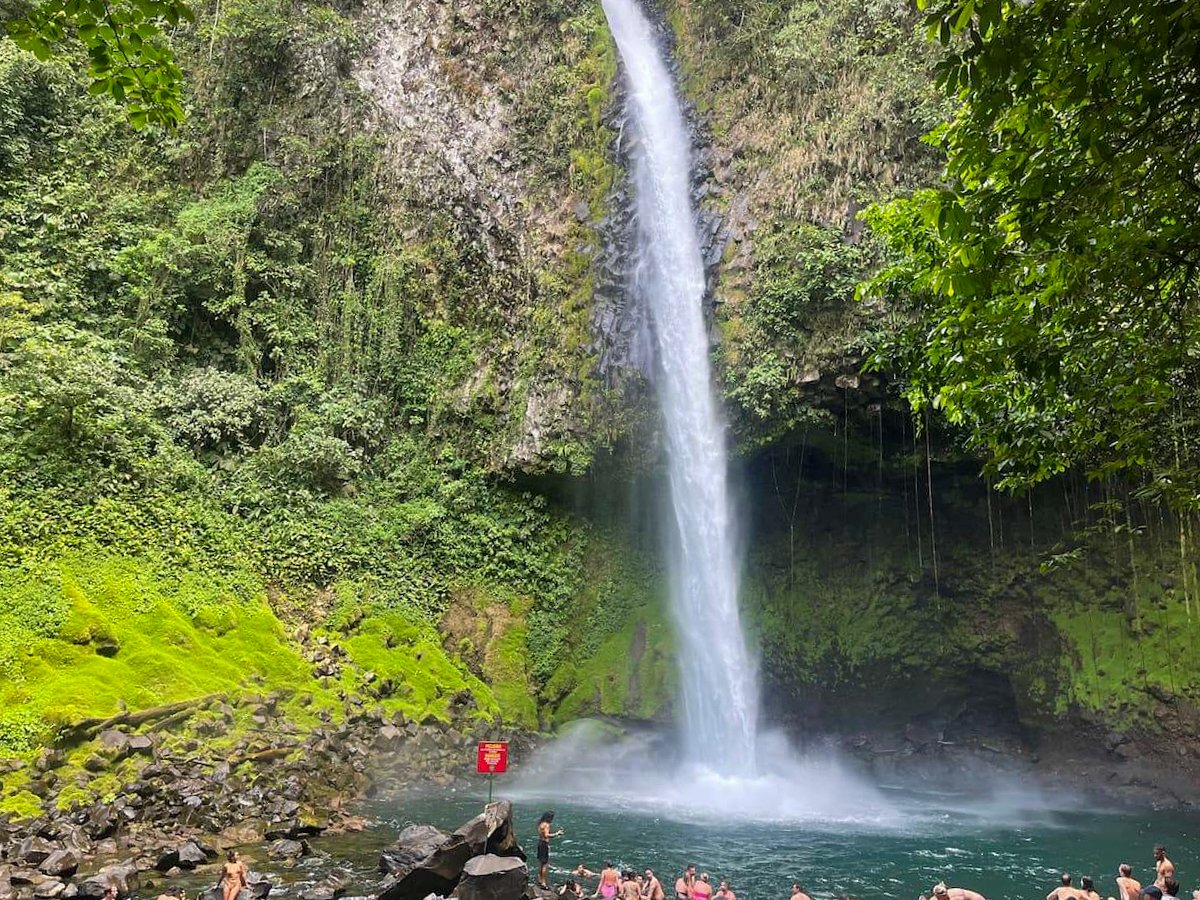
{"points": [[543, 848]]}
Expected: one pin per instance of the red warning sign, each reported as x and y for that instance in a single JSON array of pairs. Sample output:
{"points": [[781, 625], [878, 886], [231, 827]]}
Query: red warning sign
{"points": [[491, 757]]}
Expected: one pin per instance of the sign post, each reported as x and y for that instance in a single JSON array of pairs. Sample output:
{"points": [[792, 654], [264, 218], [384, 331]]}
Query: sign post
{"points": [[491, 757]]}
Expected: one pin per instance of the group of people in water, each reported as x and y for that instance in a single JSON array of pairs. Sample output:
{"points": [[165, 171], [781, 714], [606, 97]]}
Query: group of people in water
{"points": [[1164, 887], [627, 884]]}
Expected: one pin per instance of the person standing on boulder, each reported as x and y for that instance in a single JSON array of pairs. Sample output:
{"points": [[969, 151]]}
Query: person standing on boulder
{"points": [[233, 876], [543, 848]]}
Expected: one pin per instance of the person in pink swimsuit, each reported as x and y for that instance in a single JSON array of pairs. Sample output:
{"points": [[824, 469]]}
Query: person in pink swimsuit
{"points": [[702, 889], [610, 883]]}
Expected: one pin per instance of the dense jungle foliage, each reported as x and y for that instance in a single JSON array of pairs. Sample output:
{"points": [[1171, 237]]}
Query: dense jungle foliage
{"points": [[1055, 273], [246, 359], [322, 360]]}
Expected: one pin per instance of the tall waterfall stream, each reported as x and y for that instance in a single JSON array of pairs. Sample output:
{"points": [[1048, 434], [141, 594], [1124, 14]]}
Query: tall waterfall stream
{"points": [[718, 678]]}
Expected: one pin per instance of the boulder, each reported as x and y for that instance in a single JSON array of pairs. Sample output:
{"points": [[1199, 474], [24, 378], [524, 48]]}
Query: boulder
{"points": [[413, 878], [60, 864], [415, 844], [33, 851], [330, 887], [258, 886], [287, 849], [123, 876], [492, 877], [49, 889], [26, 877], [190, 854], [113, 740]]}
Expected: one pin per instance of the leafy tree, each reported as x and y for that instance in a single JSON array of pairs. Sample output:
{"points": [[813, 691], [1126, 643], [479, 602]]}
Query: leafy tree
{"points": [[129, 57], [1055, 275]]}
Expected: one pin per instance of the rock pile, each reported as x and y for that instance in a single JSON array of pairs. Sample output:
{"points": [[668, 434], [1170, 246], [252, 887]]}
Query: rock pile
{"points": [[480, 860]]}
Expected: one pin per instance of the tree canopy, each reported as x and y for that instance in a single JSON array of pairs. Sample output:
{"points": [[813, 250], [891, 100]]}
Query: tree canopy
{"points": [[129, 57], [1054, 275]]}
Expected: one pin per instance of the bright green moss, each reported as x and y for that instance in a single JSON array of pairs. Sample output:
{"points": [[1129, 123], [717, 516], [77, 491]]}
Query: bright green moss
{"points": [[19, 806]]}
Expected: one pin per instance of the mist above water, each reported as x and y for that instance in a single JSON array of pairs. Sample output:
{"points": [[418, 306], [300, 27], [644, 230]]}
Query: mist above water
{"points": [[717, 674], [596, 764]]}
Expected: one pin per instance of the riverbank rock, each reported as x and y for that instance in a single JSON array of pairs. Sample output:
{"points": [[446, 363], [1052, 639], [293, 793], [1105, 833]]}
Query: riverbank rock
{"points": [[287, 849], [491, 877], [123, 876], [425, 861], [415, 844], [330, 887], [60, 864]]}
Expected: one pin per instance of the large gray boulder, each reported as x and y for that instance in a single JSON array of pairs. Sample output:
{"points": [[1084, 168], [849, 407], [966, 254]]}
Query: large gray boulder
{"points": [[492, 877], [123, 876], [415, 844], [60, 864], [413, 876]]}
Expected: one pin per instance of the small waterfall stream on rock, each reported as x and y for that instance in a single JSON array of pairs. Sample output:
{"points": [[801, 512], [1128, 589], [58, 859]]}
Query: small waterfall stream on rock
{"points": [[720, 695]]}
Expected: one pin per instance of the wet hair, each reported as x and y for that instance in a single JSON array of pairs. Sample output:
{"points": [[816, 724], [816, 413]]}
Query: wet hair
{"points": [[1159, 849], [796, 887], [1171, 886], [1066, 879], [1085, 882], [547, 816], [691, 865], [1125, 870]]}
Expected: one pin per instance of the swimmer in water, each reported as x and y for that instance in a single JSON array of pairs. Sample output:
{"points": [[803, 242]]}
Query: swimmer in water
{"points": [[702, 889], [941, 892], [653, 889], [1130, 887], [1163, 866]]}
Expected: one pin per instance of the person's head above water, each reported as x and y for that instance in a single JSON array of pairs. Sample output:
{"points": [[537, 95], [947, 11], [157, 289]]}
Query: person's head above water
{"points": [[1152, 892], [1066, 879], [1125, 870], [704, 877], [691, 869], [1160, 852], [547, 816], [939, 889], [1085, 882]]}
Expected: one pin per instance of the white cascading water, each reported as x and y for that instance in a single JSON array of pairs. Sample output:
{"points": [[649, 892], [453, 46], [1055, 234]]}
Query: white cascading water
{"points": [[719, 682]]}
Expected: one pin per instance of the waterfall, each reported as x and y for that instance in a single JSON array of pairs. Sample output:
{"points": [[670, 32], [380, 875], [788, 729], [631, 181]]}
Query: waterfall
{"points": [[718, 679]]}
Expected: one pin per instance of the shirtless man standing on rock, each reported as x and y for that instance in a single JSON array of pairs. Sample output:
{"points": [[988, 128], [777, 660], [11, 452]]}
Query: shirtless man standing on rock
{"points": [[1130, 887], [941, 892], [1164, 866]]}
